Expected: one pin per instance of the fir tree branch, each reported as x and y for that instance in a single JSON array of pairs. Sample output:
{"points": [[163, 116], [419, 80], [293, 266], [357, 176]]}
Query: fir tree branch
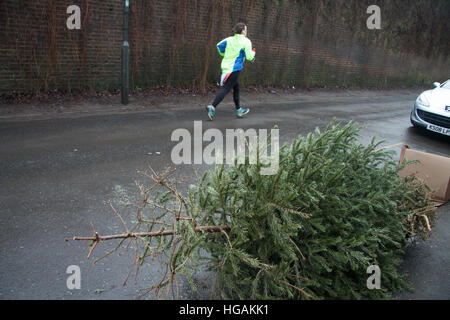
{"points": [[146, 234]]}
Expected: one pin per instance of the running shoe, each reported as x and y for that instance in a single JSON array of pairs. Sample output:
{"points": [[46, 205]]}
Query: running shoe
{"points": [[242, 111], [211, 112]]}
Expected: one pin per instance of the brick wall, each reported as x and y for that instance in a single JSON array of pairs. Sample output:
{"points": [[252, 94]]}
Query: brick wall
{"points": [[173, 43]]}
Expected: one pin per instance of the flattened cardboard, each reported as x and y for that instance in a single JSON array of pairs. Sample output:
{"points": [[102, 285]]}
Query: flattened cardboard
{"points": [[434, 170]]}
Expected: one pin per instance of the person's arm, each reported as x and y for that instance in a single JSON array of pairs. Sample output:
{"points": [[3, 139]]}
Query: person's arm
{"points": [[221, 46], [249, 51]]}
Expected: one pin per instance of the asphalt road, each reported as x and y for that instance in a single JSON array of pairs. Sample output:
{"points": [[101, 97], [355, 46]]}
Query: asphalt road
{"points": [[57, 175]]}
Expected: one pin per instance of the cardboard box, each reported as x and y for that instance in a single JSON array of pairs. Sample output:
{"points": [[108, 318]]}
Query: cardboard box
{"points": [[434, 170]]}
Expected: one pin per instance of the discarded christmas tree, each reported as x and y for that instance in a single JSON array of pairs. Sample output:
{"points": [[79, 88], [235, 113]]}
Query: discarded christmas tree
{"points": [[334, 208]]}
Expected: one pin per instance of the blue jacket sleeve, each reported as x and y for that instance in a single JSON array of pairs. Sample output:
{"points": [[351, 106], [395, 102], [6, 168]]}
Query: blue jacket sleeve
{"points": [[221, 46]]}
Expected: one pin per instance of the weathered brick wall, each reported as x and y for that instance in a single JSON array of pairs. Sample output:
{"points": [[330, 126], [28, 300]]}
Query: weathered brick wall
{"points": [[172, 42], [38, 52]]}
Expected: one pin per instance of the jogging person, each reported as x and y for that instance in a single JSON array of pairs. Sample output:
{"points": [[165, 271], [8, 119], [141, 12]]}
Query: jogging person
{"points": [[234, 51]]}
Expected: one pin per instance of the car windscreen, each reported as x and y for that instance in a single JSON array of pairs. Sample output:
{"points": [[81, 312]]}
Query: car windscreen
{"points": [[446, 85]]}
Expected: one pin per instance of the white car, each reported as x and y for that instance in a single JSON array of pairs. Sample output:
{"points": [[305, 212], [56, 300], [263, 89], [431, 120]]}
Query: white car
{"points": [[432, 109]]}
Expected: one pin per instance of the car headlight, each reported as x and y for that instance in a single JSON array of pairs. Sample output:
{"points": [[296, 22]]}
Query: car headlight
{"points": [[423, 101]]}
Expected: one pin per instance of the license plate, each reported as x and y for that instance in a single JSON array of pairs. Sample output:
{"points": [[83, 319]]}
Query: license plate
{"points": [[438, 129]]}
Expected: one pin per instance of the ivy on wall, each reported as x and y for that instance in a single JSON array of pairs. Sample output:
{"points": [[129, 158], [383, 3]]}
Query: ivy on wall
{"points": [[298, 42]]}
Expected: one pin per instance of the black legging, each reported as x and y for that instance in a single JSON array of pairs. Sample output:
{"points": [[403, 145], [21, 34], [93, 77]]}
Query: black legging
{"points": [[231, 83]]}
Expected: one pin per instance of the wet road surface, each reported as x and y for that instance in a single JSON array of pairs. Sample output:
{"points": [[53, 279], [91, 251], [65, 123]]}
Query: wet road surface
{"points": [[57, 175]]}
